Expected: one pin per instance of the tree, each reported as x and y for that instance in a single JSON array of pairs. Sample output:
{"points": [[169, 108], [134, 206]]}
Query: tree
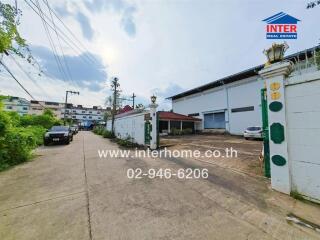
{"points": [[10, 39], [313, 4]]}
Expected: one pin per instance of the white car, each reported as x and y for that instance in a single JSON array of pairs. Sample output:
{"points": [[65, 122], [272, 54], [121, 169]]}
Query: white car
{"points": [[253, 132]]}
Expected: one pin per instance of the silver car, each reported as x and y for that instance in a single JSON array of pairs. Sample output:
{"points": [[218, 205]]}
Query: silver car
{"points": [[253, 132]]}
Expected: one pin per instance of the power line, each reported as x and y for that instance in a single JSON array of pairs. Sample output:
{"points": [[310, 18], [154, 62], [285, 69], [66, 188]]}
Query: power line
{"points": [[68, 29], [52, 45], [28, 75], [54, 25], [20, 84], [61, 34]]}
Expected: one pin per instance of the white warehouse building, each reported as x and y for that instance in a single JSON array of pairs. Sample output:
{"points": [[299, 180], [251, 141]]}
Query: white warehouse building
{"points": [[232, 103]]}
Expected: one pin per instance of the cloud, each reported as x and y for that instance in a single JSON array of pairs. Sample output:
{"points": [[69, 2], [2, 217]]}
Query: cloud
{"points": [[62, 11], [125, 9], [86, 28], [171, 90], [91, 75]]}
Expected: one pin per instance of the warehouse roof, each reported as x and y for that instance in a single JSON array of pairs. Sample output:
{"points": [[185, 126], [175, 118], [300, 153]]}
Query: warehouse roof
{"points": [[241, 75]]}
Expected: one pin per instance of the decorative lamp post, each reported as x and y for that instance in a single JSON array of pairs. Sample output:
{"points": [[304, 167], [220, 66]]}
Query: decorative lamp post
{"points": [[276, 52], [153, 99]]}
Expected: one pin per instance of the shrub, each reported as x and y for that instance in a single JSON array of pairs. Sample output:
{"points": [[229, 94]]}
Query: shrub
{"points": [[107, 134], [19, 135]]}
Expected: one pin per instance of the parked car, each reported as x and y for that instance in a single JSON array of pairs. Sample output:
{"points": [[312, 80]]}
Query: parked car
{"points": [[74, 130], [253, 132], [58, 134]]}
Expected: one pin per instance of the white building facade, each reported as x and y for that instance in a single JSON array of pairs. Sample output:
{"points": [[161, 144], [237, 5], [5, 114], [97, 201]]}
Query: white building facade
{"points": [[232, 106], [86, 116], [232, 103], [16, 104]]}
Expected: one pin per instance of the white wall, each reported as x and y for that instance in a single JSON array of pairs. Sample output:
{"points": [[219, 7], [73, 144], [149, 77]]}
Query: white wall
{"points": [[302, 96], [242, 93], [132, 125], [245, 95]]}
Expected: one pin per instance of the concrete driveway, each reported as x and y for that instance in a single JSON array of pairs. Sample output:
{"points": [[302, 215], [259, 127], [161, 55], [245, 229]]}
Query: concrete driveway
{"points": [[246, 161], [68, 192]]}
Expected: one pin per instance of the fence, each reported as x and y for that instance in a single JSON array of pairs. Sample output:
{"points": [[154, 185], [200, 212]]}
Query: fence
{"points": [[130, 125]]}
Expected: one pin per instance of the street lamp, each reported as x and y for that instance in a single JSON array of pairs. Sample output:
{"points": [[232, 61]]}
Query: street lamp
{"points": [[153, 99], [276, 52]]}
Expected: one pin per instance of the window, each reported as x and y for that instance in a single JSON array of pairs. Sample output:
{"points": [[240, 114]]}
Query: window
{"points": [[90, 111], [73, 116], [83, 111], [98, 112], [90, 117], [25, 108], [84, 116], [9, 107], [74, 111], [242, 109]]}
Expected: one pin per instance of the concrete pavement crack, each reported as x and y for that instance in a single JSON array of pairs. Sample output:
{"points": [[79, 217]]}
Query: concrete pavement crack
{"points": [[86, 190], [41, 201]]}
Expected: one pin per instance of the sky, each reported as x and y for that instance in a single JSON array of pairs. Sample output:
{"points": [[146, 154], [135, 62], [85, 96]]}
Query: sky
{"points": [[159, 47]]}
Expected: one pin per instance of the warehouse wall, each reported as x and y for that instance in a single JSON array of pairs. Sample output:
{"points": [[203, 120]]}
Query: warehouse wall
{"points": [[241, 94]]}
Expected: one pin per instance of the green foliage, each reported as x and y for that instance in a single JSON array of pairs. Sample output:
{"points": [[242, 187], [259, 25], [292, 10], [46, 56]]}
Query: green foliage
{"points": [[318, 59], [19, 135], [107, 134], [98, 130], [10, 39], [127, 142]]}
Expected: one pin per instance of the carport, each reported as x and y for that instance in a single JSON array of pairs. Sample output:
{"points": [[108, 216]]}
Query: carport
{"points": [[170, 120]]}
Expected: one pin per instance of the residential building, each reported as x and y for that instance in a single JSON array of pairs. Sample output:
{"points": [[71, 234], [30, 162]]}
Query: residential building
{"points": [[37, 107], [16, 104], [83, 115], [233, 103]]}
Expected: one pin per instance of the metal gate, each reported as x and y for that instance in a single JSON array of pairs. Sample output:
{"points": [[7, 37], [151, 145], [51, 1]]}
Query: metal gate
{"points": [[265, 128], [147, 132]]}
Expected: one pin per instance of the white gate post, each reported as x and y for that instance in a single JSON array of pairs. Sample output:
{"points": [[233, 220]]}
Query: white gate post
{"points": [[274, 76], [153, 113]]}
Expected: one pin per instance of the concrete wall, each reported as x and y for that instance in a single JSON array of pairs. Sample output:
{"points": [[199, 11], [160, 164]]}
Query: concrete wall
{"points": [[243, 93], [129, 126], [302, 95]]}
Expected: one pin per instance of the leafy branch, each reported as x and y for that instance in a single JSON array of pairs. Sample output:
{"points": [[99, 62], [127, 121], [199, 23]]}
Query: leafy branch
{"points": [[10, 38]]}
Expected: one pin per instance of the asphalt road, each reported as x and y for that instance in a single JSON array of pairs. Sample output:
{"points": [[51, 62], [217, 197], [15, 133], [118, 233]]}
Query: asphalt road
{"points": [[68, 192]]}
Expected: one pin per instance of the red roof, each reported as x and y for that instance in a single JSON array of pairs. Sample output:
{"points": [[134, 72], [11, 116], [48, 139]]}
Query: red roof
{"points": [[176, 117], [126, 108]]}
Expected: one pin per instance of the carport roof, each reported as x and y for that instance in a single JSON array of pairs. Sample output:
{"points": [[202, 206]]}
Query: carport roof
{"points": [[176, 117]]}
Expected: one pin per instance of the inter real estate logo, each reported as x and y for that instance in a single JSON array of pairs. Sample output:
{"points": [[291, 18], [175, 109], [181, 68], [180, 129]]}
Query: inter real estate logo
{"points": [[281, 26]]}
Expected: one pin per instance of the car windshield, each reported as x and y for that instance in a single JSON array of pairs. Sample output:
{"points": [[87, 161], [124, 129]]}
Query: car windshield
{"points": [[59, 129], [254, 128]]}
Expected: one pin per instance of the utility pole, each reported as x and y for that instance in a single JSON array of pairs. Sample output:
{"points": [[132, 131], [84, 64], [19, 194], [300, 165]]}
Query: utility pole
{"points": [[114, 86], [66, 103], [133, 97]]}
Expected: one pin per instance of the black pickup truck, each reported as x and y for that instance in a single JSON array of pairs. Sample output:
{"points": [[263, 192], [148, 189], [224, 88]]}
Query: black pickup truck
{"points": [[58, 134]]}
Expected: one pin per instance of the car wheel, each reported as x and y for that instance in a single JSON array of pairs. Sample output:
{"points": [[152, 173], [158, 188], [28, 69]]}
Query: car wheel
{"points": [[246, 138], [67, 141], [46, 143]]}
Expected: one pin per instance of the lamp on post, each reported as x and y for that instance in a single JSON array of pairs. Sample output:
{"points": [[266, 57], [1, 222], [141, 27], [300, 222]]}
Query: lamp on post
{"points": [[153, 99], [276, 52]]}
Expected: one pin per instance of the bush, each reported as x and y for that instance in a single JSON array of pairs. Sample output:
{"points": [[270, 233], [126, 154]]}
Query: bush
{"points": [[19, 135], [107, 134]]}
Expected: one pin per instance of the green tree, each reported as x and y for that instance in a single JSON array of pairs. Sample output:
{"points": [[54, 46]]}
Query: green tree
{"points": [[10, 39]]}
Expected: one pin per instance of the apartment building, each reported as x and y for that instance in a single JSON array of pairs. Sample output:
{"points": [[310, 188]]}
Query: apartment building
{"points": [[83, 115], [37, 108], [16, 104]]}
